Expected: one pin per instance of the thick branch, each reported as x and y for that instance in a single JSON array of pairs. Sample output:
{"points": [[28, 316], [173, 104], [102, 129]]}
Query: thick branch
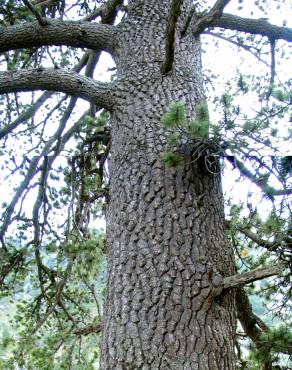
{"points": [[253, 26], [203, 22], [60, 80], [77, 34], [253, 275], [174, 14]]}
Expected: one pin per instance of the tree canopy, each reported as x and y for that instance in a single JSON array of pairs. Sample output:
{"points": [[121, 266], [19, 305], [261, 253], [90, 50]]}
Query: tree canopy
{"points": [[55, 131]]}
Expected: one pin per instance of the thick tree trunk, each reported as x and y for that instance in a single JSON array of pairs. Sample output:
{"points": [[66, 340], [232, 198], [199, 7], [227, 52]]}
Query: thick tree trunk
{"points": [[165, 235]]}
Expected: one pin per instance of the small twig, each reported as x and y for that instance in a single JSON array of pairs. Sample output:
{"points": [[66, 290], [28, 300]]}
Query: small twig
{"points": [[42, 21], [240, 45], [273, 61], [273, 66]]}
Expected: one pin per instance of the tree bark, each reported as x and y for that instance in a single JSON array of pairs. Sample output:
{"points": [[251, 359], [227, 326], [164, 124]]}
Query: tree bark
{"points": [[99, 93], [167, 250], [56, 32]]}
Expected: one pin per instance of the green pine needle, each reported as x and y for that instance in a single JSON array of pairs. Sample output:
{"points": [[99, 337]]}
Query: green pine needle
{"points": [[171, 159], [175, 115]]}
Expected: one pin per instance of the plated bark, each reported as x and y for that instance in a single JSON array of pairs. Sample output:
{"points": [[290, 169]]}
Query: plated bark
{"points": [[165, 233], [169, 258]]}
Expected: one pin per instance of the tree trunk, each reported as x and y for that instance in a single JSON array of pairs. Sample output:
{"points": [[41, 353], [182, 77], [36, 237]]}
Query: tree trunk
{"points": [[167, 250]]}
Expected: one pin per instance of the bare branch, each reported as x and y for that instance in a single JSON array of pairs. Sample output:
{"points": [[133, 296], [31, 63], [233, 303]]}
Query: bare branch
{"points": [[42, 21], [30, 112], [174, 13], [106, 11], [253, 26], [253, 275], [27, 114], [270, 245], [60, 80], [203, 22], [260, 182], [239, 45], [34, 166], [56, 32]]}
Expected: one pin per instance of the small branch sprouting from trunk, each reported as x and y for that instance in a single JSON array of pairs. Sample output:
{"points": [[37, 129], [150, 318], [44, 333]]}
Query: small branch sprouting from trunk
{"points": [[253, 275], [174, 14]]}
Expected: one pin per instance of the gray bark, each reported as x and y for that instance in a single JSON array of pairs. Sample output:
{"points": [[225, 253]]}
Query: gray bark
{"points": [[165, 228], [253, 26], [101, 94], [56, 32]]}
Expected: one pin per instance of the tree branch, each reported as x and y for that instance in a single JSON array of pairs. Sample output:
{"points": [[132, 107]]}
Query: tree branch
{"points": [[174, 14], [253, 26], [88, 330], [30, 112], [238, 44], [203, 22], [269, 245], [27, 114], [56, 32], [42, 21], [252, 325], [249, 320], [60, 80], [106, 11], [253, 275], [261, 183]]}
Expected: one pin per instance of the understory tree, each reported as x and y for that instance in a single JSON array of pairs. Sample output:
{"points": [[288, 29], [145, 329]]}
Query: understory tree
{"points": [[147, 148]]}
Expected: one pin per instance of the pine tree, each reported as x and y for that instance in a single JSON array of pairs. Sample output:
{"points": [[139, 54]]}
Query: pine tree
{"points": [[174, 284]]}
